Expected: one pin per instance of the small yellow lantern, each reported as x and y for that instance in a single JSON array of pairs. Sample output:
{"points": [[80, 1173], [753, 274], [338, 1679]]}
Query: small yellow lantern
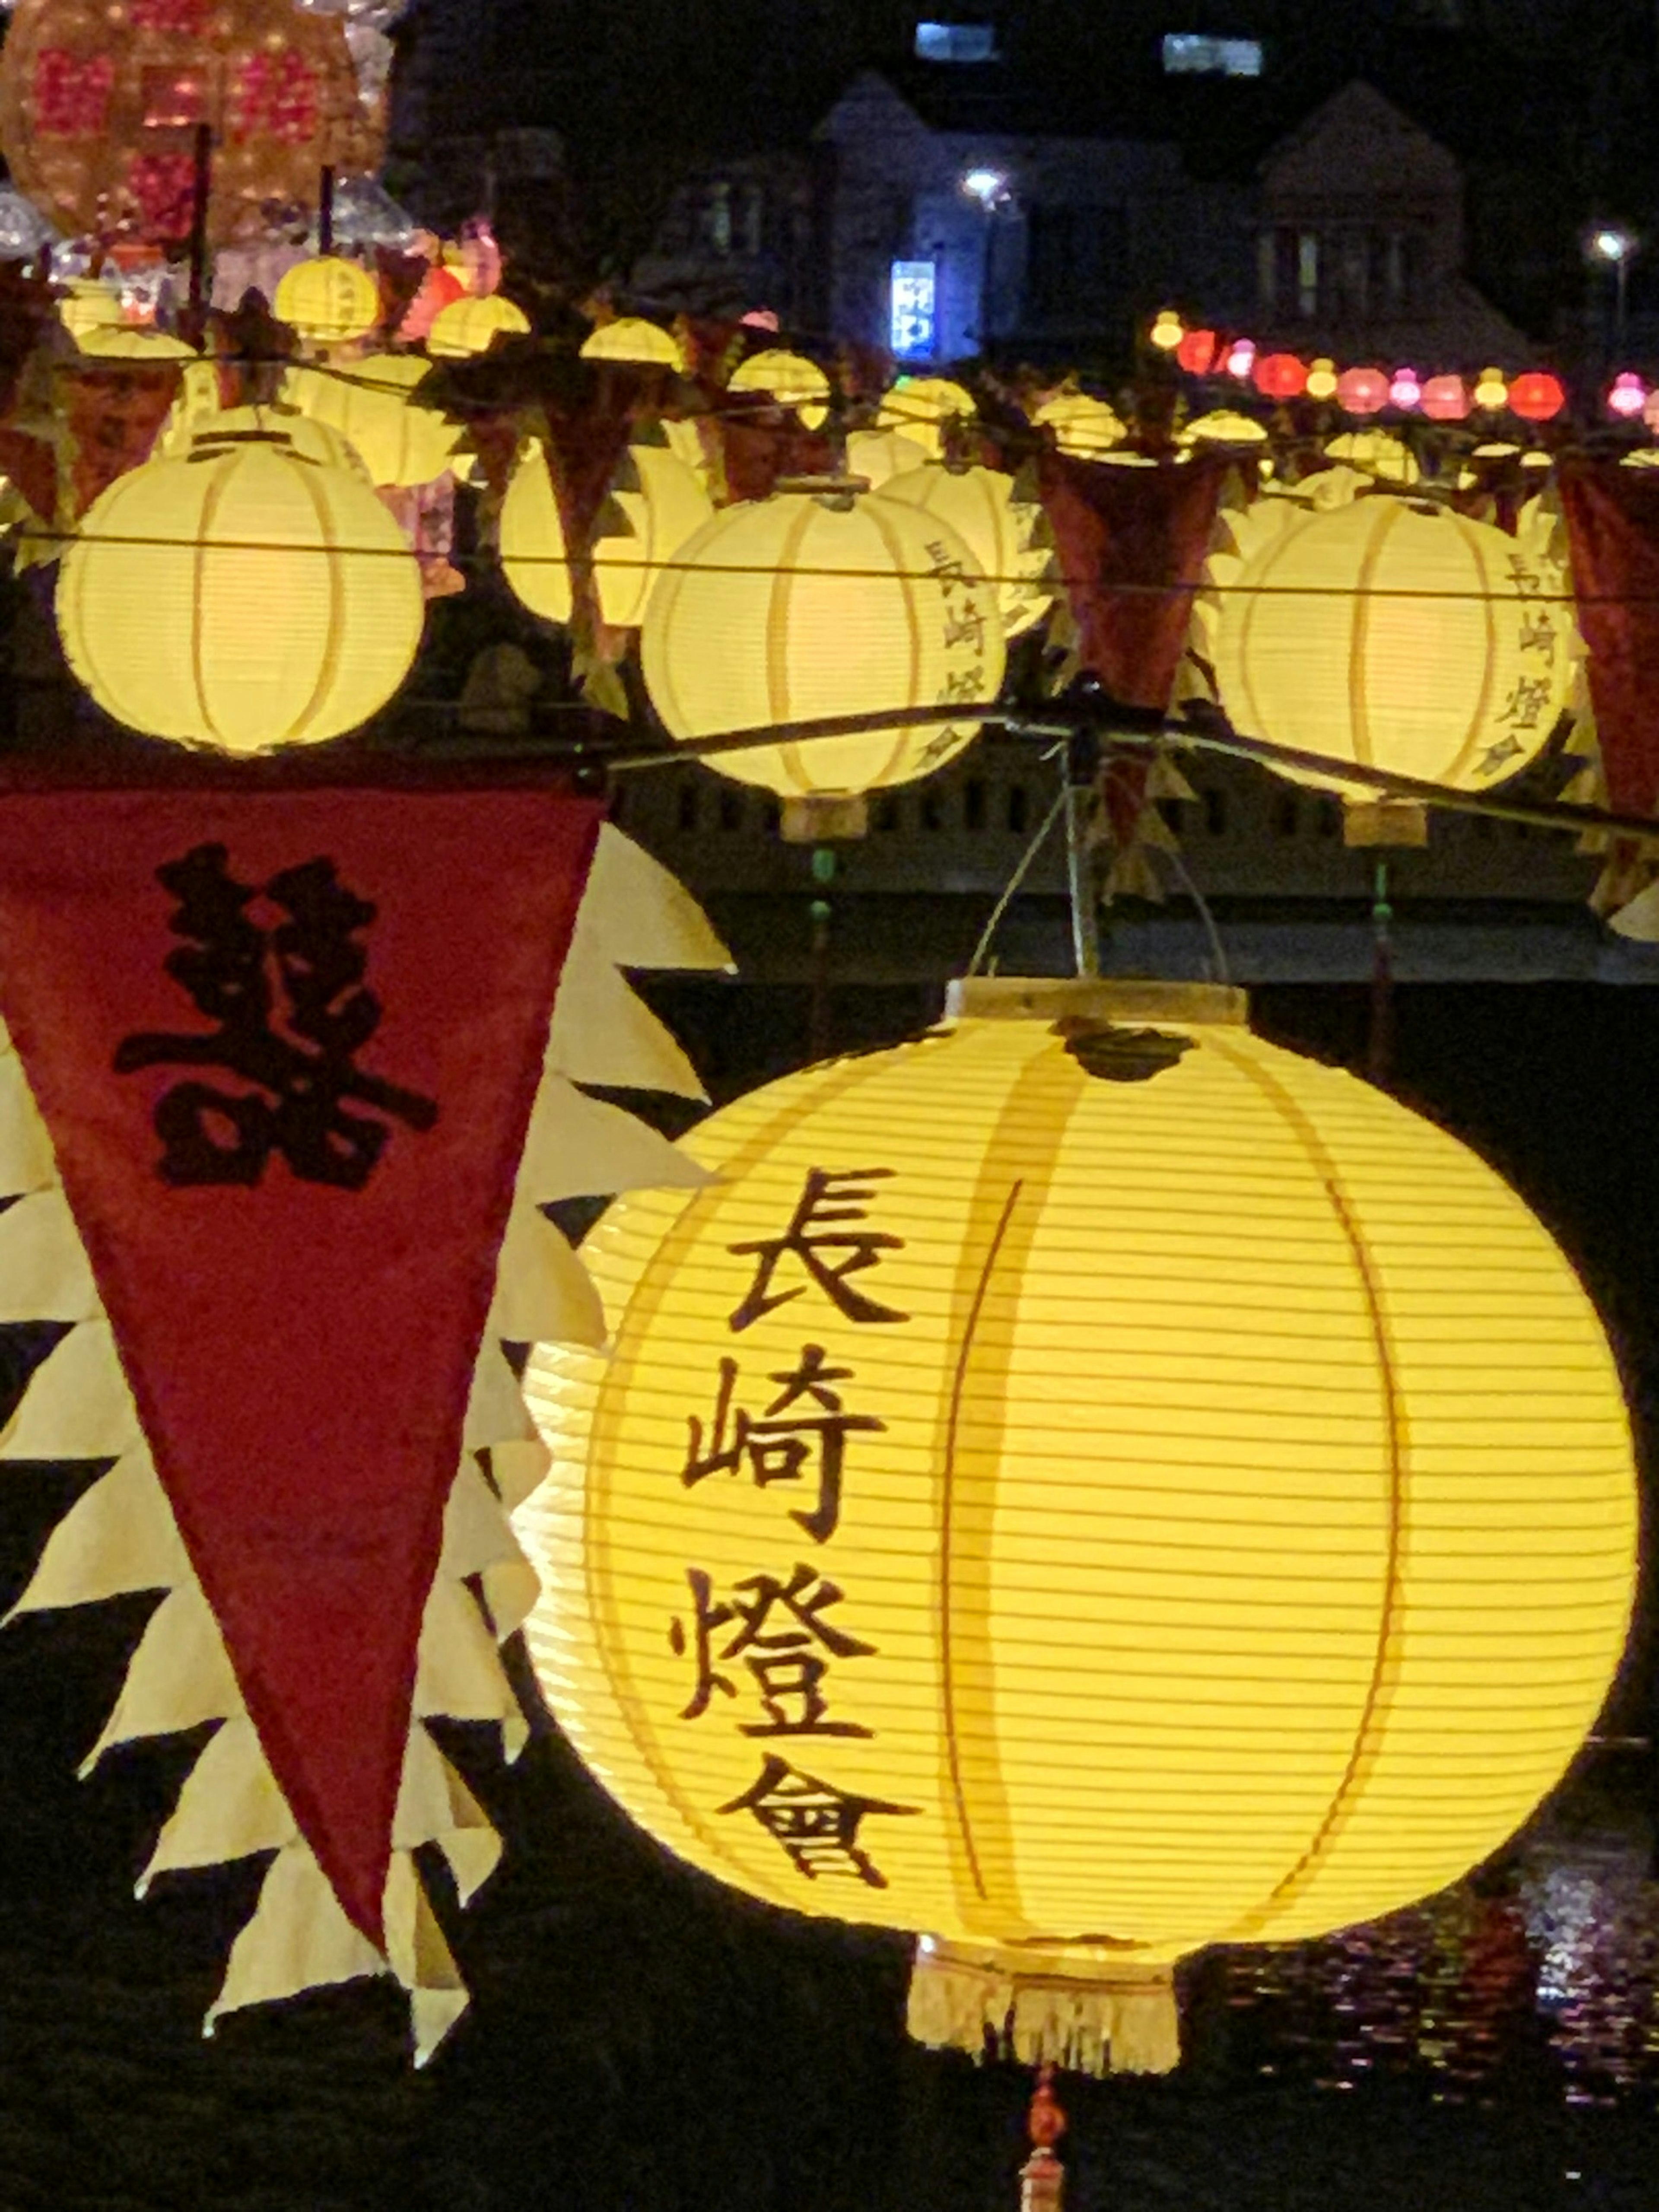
{"points": [[1322, 379], [1167, 331], [328, 300], [1377, 453], [89, 304], [1082, 1487], [1084, 427], [1222, 426], [133, 342], [663, 505], [373, 406], [922, 408], [875, 455], [1492, 389], [802, 607], [470, 326], [534, 557], [791, 381], [631, 338], [247, 597], [999, 528], [1399, 637]]}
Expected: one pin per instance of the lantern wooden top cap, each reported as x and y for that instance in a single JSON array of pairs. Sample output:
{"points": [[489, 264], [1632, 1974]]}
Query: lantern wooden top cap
{"points": [[1055, 998]]}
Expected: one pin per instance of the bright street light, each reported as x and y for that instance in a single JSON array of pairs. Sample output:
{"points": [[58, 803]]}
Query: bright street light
{"points": [[1614, 246], [988, 186]]}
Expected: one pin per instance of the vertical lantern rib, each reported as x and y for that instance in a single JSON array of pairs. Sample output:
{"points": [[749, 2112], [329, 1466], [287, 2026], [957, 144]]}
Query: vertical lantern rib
{"points": [[218, 482], [328, 661], [1489, 605], [777, 640], [1359, 636], [953, 1750], [1384, 1661], [894, 553]]}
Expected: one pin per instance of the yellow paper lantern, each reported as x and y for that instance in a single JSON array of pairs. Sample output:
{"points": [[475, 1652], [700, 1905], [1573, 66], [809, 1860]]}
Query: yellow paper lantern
{"points": [[1167, 331], [1080, 1492], [798, 608], [89, 305], [997, 527], [1401, 637], [875, 455], [133, 342], [328, 300], [662, 505], [1222, 426], [1084, 427], [373, 406], [1492, 390], [1376, 453], [1321, 380], [631, 338], [469, 327], [246, 598], [791, 381], [922, 408], [534, 559]]}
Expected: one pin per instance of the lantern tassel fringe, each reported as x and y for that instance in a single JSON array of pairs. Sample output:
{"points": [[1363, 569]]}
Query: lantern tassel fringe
{"points": [[1112, 2019], [121, 1538]]}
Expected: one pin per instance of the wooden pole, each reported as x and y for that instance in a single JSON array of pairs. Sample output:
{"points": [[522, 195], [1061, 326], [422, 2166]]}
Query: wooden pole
{"points": [[326, 210]]}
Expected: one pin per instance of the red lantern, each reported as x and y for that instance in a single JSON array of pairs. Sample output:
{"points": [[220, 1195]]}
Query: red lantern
{"points": [[1362, 391], [1537, 395], [1280, 376], [1198, 352], [1445, 400]]}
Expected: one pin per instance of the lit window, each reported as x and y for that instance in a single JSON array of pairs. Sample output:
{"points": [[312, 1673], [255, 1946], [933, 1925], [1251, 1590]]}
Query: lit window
{"points": [[1194, 53], [956, 42], [913, 295]]}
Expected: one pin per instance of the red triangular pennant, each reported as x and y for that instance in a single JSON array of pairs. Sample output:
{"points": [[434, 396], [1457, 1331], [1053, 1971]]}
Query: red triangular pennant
{"points": [[299, 1328]]}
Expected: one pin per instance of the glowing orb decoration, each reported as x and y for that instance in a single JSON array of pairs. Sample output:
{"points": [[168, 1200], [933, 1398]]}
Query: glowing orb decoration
{"points": [[1084, 427], [661, 504], [631, 338], [470, 326], [1081, 1490], [1402, 638], [100, 106], [1000, 529], [246, 598], [798, 608], [791, 380], [534, 557], [375, 405], [328, 300]]}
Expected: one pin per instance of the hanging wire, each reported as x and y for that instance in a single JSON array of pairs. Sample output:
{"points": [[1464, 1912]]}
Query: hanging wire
{"points": [[1026, 861]]}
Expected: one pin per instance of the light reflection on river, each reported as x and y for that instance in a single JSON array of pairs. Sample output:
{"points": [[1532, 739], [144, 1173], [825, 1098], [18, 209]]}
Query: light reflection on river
{"points": [[1540, 1975]]}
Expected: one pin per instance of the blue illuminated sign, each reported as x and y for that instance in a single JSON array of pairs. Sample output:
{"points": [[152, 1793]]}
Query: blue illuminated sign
{"points": [[913, 318]]}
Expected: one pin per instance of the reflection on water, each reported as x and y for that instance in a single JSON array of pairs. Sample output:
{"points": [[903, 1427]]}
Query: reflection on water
{"points": [[1540, 1975]]}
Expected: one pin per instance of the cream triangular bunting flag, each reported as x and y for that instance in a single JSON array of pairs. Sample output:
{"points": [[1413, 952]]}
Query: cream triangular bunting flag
{"points": [[298, 1939], [229, 1808], [45, 1273], [26, 1155], [180, 1676], [120, 1537], [543, 1292], [603, 1034], [77, 1404]]}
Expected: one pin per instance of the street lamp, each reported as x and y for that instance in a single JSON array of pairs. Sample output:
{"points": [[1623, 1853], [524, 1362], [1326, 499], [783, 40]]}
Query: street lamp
{"points": [[1614, 249], [988, 186]]}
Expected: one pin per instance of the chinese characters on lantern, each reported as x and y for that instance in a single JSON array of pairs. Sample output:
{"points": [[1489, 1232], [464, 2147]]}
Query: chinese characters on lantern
{"points": [[1531, 697], [302, 1073], [773, 1653], [964, 634]]}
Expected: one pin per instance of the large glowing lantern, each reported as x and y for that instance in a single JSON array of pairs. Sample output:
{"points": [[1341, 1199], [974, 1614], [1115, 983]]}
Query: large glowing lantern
{"points": [[660, 503], [534, 557], [875, 455], [1080, 1490], [790, 380], [1000, 529], [247, 597], [373, 405], [328, 300], [1395, 635], [799, 607], [472, 325]]}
